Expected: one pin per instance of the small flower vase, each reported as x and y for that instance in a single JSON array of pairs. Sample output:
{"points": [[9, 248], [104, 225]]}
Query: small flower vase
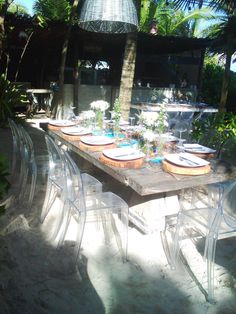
{"points": [[116, 128], [148, 150], [160, 146], [99, 119]]}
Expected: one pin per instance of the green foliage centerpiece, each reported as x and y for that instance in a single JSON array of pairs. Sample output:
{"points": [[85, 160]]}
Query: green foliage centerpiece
{"points": [[116, 116]]}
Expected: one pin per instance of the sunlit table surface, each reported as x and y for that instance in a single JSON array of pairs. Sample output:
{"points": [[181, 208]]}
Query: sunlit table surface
{"points": [[150, 178], [39, 91]]}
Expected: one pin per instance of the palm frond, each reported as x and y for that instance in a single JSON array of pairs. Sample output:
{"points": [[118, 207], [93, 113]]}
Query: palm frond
{"points": [[215, 4]]}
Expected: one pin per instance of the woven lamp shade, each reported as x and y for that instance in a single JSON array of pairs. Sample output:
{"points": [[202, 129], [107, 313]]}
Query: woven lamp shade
{"points": [[109, 16]]}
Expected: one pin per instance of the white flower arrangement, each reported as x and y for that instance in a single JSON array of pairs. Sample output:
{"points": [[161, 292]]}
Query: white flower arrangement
{"points": [[149, 136], [87, 115], [100, 105], [155, 121]]}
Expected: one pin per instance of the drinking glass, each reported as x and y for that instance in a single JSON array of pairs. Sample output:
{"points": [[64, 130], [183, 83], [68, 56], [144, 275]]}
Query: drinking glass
{"points": [[131, 121]]}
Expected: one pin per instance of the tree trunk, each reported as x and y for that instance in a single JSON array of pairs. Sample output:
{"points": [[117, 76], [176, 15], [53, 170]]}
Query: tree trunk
{"points": [[58, 110], [76, 83], [3, 11], [22, 55], [226, 76], [2, 31], [127, 76]]}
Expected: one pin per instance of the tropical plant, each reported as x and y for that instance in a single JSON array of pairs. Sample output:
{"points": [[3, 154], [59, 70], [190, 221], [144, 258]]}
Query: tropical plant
{"points": [[212, 77], [72, 10], [53, 10], [222, 123], [11, 96], [172, 22], [225, 32]]}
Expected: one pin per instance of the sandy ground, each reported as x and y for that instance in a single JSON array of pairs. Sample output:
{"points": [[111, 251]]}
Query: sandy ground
{"points": [[36, 277]]}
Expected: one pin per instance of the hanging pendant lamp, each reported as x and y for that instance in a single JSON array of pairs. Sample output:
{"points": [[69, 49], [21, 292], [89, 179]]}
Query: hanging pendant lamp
{"points": [[109, 16]]}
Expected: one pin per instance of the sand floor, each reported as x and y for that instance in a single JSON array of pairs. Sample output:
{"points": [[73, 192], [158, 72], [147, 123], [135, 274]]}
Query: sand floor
{"points": [[36, 277]]}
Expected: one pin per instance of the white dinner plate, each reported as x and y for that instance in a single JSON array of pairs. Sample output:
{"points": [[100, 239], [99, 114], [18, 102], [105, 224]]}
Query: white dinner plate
{"points": [[169, 138], [122, 122], [61, 122], [199, 149], [96, 140], [76, 130], [186, 160], [123, 153]]}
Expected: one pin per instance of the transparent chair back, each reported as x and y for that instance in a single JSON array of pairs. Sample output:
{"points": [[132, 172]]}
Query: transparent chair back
{"points": [[211, 223], [227, 151], [99, 208]]}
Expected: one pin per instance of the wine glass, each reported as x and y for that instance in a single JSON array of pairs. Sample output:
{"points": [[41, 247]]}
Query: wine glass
{"points": [[131, 121], [181, 126]]}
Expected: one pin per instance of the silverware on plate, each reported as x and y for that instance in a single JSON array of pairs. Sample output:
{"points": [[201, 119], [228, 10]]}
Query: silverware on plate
{"points": [[188, 161]]}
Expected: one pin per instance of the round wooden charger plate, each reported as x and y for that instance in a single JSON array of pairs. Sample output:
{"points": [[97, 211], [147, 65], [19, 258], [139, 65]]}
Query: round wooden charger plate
{"points": [[96, 148], [204, 156], [72, 137], [195, 171], [53, 127], [133, 164]]}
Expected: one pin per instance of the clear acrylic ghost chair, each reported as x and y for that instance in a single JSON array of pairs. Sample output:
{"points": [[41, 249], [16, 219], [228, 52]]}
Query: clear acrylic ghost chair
{"points": [[23, 168], [211, 139], [29, 167], [16, 154], [15, 168], [56, 182], [102, 205], [213, 224], [183, 125], [173, 118], [227, 153]]}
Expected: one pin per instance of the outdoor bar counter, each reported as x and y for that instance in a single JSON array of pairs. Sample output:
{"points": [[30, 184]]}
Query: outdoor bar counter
{"points": [[170, 107], [150, 192]]}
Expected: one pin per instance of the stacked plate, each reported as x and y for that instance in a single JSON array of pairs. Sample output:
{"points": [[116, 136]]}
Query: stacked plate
{"points": [[62, 123], [76, 131], [186, 160], [96, 140], [198, 149], [123, 153]]}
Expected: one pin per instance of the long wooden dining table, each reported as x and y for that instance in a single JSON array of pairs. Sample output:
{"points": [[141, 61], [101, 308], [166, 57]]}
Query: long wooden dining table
{"points": [[150, 191]]}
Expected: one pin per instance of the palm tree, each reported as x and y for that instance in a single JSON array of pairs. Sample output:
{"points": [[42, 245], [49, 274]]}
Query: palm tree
{"points": [[224, 31], [4, 5], [215, 4], [172, 22], [61, 12], [127, 75], [181, 25]]}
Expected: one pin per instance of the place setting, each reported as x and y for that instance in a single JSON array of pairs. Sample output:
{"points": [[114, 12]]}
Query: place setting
{"points": [[186, 164], [123, 157], [199, 150], [75, 132], [97, 142], [58, 124]]}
